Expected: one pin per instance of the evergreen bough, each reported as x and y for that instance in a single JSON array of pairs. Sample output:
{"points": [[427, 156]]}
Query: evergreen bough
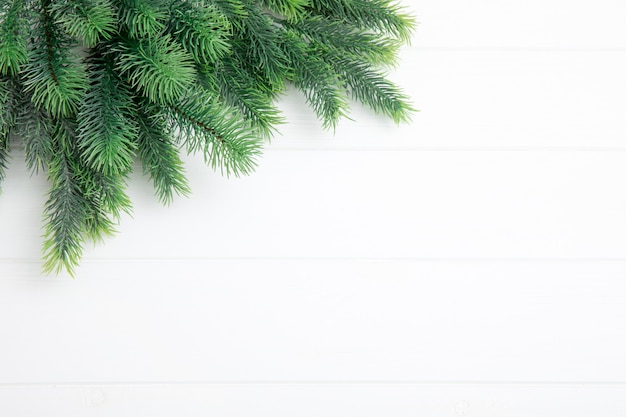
{"points": [[88, 86]]}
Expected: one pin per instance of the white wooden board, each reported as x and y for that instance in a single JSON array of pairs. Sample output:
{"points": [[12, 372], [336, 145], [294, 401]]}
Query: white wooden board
{"points": [[335, 321], [577, 24], [314, 400], [390, 204]]}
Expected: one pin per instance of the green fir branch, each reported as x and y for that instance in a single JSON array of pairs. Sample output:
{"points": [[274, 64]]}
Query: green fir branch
{"points": [[317, 80], [53, 74], [218, 131], [203, 31], [106, 200], [346, 38], [13, 44], [106, 132], [258, 45], [288, 9], [142, 18], [159, 68], [382, 16], [66, 209], [240, 90], [98, 221], [232, 9], [89, 21], [9, 105], [7, 123], [9, 108], [372, 88], [34, 127], [160, 157], [5, 148]]}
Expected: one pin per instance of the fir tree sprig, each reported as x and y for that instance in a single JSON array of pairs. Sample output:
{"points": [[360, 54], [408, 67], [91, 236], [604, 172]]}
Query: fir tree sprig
{"points": [[159, 67], [8, 120], [66, 209], [288, 9], [4, 156], [13, 30], [381, 16], [347, 38], [7, 123], [34, 127], [204, 32], [257, 39], [105, 128], [227, 141], [91, 86], [239, 89], [160, 156], [91, 21], [141, 18], [54, 74], [372, 88], [317, 80]]}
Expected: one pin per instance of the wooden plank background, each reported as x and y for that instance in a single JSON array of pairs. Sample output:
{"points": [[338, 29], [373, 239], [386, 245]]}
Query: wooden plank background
{"points": [[471, 263]]}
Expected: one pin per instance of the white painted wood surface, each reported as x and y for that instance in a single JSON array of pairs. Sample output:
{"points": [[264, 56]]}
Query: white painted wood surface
{"points": [[472, 263]]}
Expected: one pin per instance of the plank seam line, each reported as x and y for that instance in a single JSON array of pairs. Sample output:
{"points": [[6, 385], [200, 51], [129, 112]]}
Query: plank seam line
{"points": [[330, 259], [405, 148], [527, 48], [417, 149], [114, 384]]}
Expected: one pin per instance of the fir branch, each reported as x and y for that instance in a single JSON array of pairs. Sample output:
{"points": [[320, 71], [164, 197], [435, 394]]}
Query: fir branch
{"points": [[241, 90], [9, 107], [4, 157], [111, 192], [106, 131], [347, 38], [159, 68], [7, 123], [232, 9], [289, 9], [202, 30], [142, 18], [105, 199], [381, 16], [53, 74], [160, 158], [89, 21], [226, 140], [12, 37], [34, 127], [371, 87], [98, 223], [317, 80], [66, 210], [258, 40]]}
